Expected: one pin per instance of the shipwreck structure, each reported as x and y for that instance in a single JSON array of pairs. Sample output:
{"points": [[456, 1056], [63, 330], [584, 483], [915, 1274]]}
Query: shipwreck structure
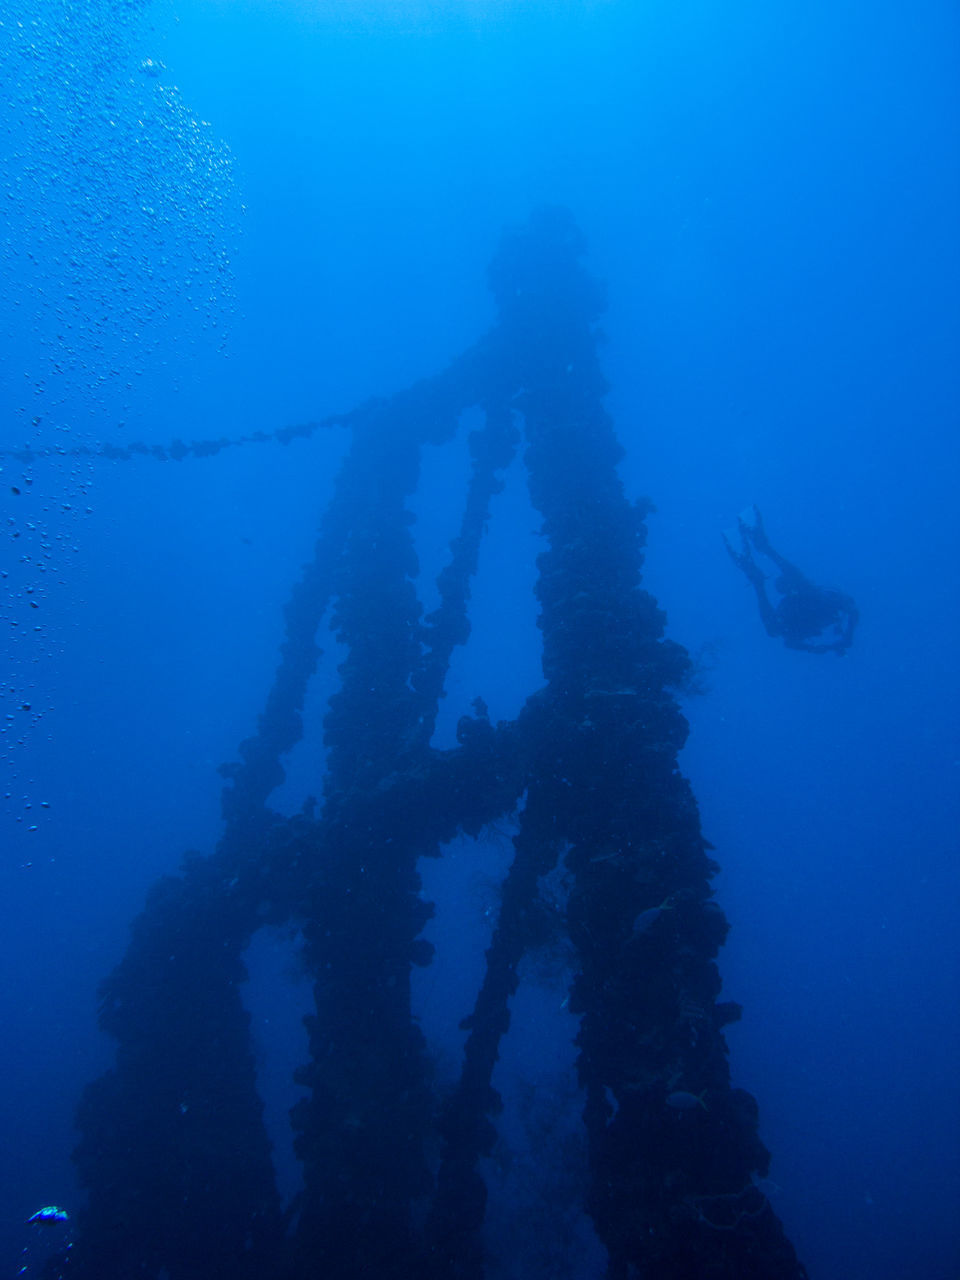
{"points": [[173, 1154]]}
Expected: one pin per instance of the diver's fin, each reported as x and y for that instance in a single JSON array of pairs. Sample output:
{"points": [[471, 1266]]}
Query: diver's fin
{"points": [[730, 540]]}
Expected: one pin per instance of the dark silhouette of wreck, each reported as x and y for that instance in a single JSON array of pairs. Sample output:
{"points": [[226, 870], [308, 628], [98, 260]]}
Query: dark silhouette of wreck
{"points": [[173, 1151]]}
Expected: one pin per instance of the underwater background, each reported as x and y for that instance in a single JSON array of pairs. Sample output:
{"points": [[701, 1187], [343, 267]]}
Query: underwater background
{"points": [[220, 217]]}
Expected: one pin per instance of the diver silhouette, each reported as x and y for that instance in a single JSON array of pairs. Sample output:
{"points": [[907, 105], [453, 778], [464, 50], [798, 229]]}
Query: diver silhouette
{"points": [[805, 616]]}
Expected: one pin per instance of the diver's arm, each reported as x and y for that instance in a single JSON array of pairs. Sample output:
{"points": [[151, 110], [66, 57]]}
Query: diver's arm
{"points": [[835, 646], [852, 614]]}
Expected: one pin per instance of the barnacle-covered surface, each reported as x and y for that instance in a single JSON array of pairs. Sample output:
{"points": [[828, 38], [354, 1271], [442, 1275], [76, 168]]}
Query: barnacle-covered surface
{"points": [[393, 1170]]}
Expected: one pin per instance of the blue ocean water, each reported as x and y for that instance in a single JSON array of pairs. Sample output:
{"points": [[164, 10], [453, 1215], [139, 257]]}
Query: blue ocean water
{"points": [[231, 216]]}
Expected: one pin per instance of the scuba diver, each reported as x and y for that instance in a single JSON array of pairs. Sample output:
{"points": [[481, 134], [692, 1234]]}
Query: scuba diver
{"points": [[805, 616]]}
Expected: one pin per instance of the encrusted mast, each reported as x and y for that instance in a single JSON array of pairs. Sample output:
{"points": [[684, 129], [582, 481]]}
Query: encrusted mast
{"points": [[173, 1152]]}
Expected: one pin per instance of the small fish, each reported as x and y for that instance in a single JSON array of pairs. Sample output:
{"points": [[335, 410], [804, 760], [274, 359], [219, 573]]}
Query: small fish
{"points": [[766, 1186], [606, 857], [681, 1100], [50, 1213], [652, 914]]}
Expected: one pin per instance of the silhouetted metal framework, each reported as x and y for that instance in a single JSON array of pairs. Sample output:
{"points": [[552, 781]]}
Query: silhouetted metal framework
{"points": [[173, 1150]]}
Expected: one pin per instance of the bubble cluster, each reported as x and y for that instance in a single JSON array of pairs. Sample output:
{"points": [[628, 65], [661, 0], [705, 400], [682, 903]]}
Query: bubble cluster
{"points": [[118, 207], [118, 211], [42, 513]]}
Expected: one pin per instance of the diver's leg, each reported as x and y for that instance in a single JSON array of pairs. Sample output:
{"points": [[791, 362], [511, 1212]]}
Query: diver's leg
{"points": [[745, 562], [768, 615], [757, 533], [739, 558], [752, 527]]}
